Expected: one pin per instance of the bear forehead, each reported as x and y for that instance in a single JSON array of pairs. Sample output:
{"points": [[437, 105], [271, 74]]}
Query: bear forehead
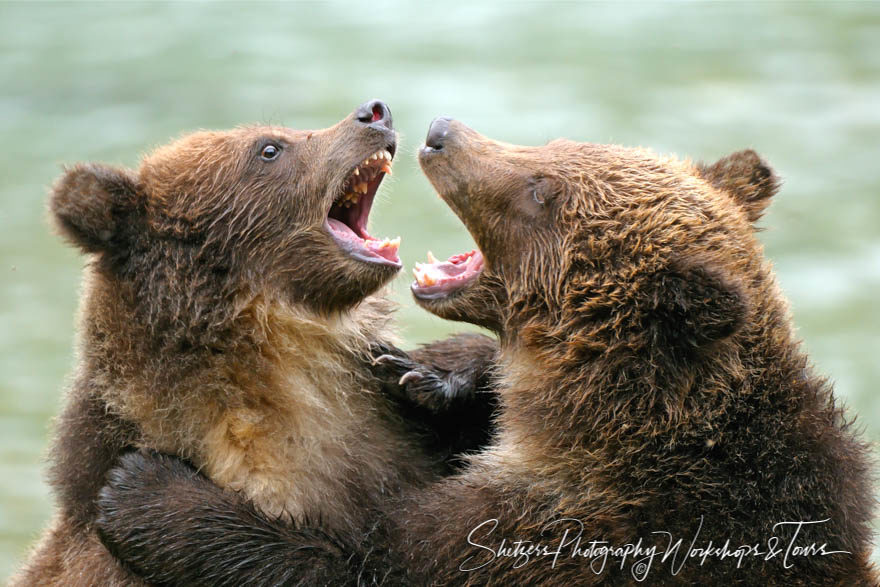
{"points": [[655, 194], [573, 160], [590, 170], [206, 158], [218, 143]]}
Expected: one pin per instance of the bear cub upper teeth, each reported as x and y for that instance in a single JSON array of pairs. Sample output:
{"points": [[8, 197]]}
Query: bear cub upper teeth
{"points": [[358, 183]]}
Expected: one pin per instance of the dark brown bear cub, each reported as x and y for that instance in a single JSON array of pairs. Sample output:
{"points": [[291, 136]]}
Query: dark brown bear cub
{"points": [[659, 422], [653, 388], [228, 318]]}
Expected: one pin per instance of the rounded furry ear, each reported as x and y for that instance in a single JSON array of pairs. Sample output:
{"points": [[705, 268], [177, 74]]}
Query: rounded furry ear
{"points": [[90, 204], [745, 176]]}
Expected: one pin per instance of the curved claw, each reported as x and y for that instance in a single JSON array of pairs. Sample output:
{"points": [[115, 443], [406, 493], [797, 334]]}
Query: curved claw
{"points": [[410, 376], [386, 358]]}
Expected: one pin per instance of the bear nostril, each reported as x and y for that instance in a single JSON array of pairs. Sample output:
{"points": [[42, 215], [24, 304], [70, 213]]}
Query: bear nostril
{"points": [[437, 133], [374, 111]]}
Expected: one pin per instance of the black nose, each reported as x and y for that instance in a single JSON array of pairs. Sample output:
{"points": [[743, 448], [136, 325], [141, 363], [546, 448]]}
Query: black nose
{"points": [[437, 132], [374, 112]]}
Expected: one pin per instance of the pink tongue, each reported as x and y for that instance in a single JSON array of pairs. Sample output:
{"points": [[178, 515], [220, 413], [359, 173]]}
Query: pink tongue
{"points": [[342, 229], [457, 268], [387, 252], [448, 269], [457, 264]]}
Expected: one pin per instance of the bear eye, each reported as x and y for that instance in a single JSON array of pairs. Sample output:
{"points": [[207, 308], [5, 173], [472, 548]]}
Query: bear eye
{"points": [[538, 197], [270, 152]]}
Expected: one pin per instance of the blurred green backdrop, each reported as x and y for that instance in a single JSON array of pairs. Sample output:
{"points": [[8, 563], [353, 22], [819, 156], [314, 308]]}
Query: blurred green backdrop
{"points": [[798, 82]]}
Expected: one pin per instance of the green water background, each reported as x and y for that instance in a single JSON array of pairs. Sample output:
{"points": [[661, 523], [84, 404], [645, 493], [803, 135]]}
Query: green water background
{"points": [[799, 82]]}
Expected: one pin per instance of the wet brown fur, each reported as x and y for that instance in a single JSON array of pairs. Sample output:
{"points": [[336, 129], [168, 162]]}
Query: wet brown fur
{"points": [[651, 382], [220, 323], [651, 375]]}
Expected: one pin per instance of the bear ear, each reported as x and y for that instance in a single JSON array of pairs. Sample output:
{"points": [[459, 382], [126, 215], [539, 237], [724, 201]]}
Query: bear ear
{"points": [[91, 203], [745, 176], [695, 305]]}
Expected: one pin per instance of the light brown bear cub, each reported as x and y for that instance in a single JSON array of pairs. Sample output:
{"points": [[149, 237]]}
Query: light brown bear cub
{"points": [[228, 318]]}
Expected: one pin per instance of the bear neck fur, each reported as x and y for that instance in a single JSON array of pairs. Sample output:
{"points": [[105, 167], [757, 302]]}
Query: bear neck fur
{"points": [[276, 402], [607, 395], [619, 428]]}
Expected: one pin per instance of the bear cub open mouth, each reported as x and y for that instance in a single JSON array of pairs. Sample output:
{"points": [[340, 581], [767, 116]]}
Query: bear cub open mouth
{"points": [[347, 218], [438, 279]]}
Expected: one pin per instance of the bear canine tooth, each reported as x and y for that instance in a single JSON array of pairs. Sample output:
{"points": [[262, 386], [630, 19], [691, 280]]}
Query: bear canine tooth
{"points": [[422, 276], [356, 171], [431, 258]]}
